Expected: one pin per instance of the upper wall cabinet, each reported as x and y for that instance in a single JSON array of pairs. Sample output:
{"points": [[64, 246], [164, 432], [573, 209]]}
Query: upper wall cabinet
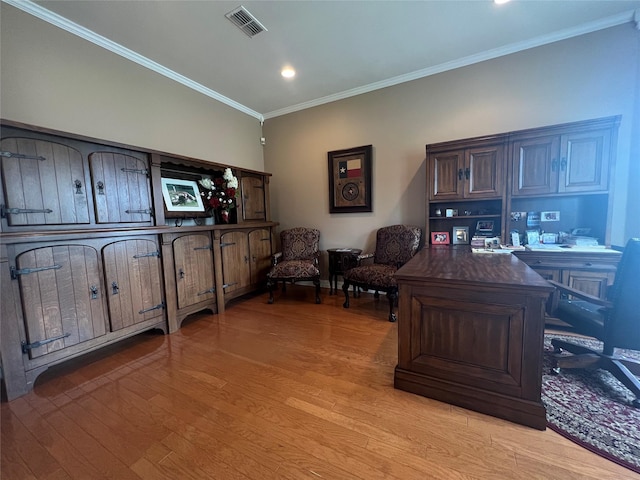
{"points": [[121, 188], [253, 197], [475, 172], [53, 183], [44, 183], [571, 162]]}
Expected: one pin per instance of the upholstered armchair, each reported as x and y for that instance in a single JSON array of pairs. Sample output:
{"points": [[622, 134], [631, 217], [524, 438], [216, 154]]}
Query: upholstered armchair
{"points": [[297, 260], [395, 246], [615, 322]]}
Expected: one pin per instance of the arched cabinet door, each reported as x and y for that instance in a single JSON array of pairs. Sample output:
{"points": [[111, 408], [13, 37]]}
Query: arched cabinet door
{"points": [[44, 183], [260, 250], [121, 187], [133, 282], [62, 297], [193, 260]]}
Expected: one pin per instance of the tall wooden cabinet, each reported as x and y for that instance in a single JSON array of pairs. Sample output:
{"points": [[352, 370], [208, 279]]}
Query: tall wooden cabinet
{"points": [[89, 254], [561, 168]]}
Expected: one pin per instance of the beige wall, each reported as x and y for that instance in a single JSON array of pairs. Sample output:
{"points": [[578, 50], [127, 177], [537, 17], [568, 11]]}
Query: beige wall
{"points": [[592, 76], [51, 78]]}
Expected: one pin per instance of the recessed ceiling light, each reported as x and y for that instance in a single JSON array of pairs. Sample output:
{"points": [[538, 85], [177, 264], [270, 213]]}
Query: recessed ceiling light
{"points": [[500, 2], [288, 72]]}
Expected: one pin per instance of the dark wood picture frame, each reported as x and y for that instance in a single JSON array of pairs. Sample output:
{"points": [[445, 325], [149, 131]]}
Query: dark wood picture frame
{"points": [[350, 180]]}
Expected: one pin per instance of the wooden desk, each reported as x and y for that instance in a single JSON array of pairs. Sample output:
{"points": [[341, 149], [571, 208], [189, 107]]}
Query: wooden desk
{"points": [[470, 332]]}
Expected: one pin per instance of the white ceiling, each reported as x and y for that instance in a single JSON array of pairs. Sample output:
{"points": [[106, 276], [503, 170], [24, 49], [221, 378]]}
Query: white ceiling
{"points": [[338, 48]]}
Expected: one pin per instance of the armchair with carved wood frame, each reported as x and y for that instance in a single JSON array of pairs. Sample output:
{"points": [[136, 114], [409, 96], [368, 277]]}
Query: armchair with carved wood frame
{"points": [[395, 246], [297, 260]]}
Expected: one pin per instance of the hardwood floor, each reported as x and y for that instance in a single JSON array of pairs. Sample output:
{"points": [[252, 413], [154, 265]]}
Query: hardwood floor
{"points": [[292, 390]]}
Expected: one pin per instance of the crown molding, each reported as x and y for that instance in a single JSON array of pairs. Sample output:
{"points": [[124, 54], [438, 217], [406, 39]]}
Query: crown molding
{"points": [[601, 24], [82, 32]]}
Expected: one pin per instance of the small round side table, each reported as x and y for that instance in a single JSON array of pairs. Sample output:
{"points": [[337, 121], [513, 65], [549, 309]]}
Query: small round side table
{"points": [[340, 260]]}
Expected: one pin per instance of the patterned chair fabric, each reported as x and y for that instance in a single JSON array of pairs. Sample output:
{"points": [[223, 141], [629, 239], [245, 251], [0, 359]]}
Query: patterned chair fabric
{"points": [[395, 246], [298, 260]]}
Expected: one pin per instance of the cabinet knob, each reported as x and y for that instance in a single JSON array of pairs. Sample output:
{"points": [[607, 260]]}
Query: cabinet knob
{"points": [[94, 292], [460, 174], [563, 164], [467, 173], [181, 273], [115, 290], [554, 165], [78, 185]]}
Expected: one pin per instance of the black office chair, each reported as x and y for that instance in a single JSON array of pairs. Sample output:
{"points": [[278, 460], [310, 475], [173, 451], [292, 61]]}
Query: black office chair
{"points": [[615, 321]]}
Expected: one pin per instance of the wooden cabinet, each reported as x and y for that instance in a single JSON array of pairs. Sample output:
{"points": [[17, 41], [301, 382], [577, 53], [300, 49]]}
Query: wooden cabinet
{"points": [[246, 259], [560, 168], [51, 182], [566, 163], [88, 255], [44, 183], [133, 281], [189, 275], [121, 187], [475, 172], [253, 197], [62, 297], [589, 272], [69, 297]]}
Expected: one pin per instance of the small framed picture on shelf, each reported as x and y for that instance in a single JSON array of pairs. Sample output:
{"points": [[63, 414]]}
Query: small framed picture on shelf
{"points": [[484, 227], [460, 235], [440, 238], [181, 195]]}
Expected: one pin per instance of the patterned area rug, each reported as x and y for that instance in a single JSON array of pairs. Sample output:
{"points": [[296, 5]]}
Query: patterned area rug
{"points": [[592, 408]]}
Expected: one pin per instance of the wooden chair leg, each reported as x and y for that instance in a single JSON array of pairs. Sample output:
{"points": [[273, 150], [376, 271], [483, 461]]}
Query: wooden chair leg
{"points": [[392, 295], [316, 282], [345, 289], [270, 288]]}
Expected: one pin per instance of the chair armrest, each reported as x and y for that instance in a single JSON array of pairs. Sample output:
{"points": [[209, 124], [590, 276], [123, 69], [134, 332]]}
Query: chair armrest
{"points": [[275, 258], [581, 295]]}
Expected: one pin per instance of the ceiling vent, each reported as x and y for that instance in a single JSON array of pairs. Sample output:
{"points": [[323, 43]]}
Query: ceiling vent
{"points": [[246, 22]]}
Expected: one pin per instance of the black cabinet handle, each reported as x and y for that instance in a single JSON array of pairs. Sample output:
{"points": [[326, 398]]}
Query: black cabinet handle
{"points": [[467, 173], [460, 174], [114, 288], [78, 185], [100, 186]]}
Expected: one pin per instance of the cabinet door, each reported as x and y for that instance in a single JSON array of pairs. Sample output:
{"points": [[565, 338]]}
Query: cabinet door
{"points": [[260, 249], [484, 172], [591, 282], [45, 179], [121, 188], [193, 260], [61, 297], [446, 171], [235, 261], [535, 165], [584, 162], [133, 281], [253, 204]]}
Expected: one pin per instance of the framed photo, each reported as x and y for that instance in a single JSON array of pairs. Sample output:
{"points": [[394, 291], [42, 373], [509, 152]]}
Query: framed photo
{"points": [[460, 235], [350, 180], [181, 195], [440, 238], [484, 227]]}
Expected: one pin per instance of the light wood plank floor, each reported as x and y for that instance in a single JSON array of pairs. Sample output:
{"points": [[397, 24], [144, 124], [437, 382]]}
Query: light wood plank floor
{"points": [[292, 390]]}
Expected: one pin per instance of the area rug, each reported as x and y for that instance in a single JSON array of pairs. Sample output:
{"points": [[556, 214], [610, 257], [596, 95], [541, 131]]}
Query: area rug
{"points": [[592, 408]]}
